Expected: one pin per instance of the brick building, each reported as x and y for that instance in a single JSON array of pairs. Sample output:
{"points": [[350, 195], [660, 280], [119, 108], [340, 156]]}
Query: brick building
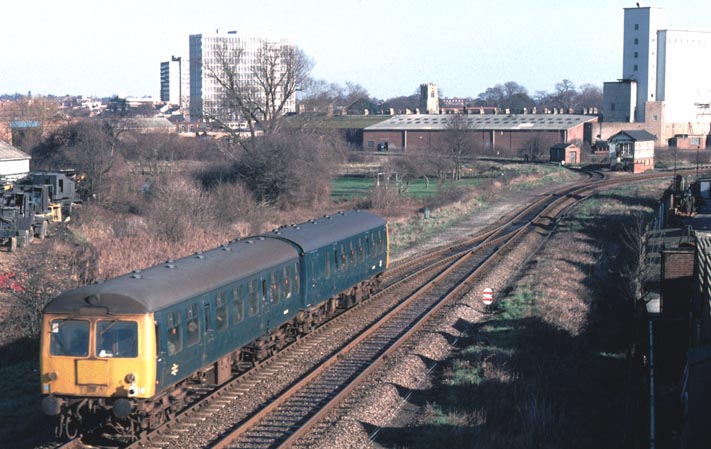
{"points": [[511, 131], [632, 150]]}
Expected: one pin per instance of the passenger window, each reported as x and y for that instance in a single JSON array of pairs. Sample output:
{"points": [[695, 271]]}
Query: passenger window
{"points": [[117, 339], [327, 269], [352, 254], [373, 253], [361, 252], [208, 317], [297, 284], [336, 259], [175, 340], [287, 284], [238, 305], [253, 299], [69, 338], [274, 287], [193, 325], [221, 311], [344, 260]]}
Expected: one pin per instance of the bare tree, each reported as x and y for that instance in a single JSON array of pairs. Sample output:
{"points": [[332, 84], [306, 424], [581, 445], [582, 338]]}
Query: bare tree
{"points": [[90, 147], [565, 94], [257, 98], [457, 144], [291, 168]]}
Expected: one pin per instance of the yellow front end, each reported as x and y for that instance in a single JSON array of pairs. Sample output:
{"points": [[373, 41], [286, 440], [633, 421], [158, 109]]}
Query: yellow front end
{"points": [[98, 356]]}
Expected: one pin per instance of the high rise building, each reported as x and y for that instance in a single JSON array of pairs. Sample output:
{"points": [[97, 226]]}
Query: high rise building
{"points": [[210, 53], [664, 72], [170, 81], [639, 52]]}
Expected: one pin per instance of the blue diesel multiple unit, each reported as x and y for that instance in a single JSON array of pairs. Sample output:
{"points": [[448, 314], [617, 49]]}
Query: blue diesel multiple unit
{"points": [[120, 352]]}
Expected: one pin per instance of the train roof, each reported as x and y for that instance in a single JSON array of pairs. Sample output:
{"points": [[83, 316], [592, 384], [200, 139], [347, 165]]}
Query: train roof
{"points": [[320, 232], [173, 282]]}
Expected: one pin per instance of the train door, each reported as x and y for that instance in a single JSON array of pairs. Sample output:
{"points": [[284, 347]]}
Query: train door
{"points": [[262, 288], [161, 354], [209, 330]]}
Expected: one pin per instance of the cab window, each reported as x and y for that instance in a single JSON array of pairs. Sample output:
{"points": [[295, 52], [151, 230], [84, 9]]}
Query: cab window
{"points": [[175, 335], [69, 338], [192, 335], [118, 339]]}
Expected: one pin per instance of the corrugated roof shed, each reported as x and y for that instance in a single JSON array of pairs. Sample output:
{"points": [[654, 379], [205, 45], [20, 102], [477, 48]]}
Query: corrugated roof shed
{"points": [[10, 153], [511, 122]]}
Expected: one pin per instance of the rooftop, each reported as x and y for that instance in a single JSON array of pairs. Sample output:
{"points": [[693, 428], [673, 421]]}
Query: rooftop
{"points": [[504, 122], [8, 152]]}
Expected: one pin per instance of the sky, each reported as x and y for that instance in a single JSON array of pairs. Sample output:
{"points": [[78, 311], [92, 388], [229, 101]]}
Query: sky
{"points": [[104, 48]]}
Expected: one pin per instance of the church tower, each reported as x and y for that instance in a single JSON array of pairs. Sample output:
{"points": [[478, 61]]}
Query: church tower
{"points": [[429, 99]]}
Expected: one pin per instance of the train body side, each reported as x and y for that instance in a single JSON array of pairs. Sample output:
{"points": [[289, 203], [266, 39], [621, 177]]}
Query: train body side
{"points": [[338, 252], [183, 300], [168, 322]]}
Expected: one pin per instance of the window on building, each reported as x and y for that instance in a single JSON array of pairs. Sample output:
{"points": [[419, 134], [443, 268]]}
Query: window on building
{"points": [[636, 54], [635, 67], [636, 41], [636, 26], [612, 106]]}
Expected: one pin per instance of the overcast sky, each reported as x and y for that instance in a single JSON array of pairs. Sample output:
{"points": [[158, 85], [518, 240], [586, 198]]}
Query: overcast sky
{"points": [[388, 46]]}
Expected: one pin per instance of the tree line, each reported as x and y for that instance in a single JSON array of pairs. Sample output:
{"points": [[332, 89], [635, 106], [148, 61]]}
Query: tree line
{"points": [[321, 96]]}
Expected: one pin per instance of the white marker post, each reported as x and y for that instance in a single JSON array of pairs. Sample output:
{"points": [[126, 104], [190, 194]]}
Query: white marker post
{"points": [[487, 298]]}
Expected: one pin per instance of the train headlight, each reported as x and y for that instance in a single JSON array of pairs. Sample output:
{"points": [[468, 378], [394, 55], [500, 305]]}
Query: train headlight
{"points": [[52, 376], [52, 405], [130, 378]]}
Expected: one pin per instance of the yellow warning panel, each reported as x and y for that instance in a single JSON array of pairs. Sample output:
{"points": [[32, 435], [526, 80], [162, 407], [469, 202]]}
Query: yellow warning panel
{"points": [[92, 372]]}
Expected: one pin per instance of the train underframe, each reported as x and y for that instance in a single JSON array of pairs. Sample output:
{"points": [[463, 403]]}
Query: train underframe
{"points": [[125, 419]]}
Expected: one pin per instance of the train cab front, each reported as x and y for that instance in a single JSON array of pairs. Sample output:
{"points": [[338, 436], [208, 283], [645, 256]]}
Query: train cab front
{"points": [[95, 367]]}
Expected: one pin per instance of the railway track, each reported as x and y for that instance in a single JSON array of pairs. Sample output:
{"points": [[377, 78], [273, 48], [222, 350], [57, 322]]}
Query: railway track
{"points": [[300, 409], [383, 325]]}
